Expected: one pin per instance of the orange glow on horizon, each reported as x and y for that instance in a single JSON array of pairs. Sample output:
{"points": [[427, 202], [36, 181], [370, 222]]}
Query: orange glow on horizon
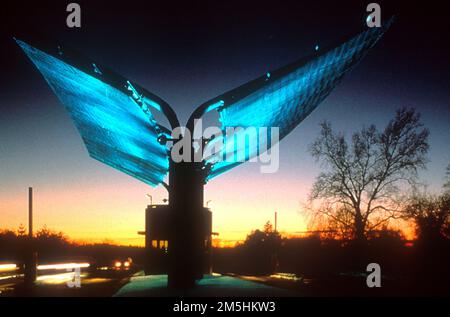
{"points": [[113, 212]]}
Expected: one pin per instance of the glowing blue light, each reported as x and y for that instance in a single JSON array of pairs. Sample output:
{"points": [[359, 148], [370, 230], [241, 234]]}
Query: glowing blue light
{"points": [[152, 103], [113, 127], [96, 70], [215, 106], [286, 101], [119, 130], [316, 47]]}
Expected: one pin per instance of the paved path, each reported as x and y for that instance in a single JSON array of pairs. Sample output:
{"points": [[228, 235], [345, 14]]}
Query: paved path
{"points": [[210, 285]]}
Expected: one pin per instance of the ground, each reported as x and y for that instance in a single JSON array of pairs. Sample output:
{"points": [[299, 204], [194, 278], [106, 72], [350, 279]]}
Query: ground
{"points": [[210, 286]]}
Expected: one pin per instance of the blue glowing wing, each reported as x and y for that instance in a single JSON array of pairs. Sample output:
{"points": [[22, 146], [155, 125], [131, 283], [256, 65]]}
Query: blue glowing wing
{"points": [[282, 98], [113, 119]]}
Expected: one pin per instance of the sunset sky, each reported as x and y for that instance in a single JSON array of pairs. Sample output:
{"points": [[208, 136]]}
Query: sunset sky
{"points": [[188, 55]]}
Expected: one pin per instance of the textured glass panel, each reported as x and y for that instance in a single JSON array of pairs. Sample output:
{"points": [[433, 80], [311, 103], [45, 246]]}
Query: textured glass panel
{"points": [[285, 101], [114, 128]]}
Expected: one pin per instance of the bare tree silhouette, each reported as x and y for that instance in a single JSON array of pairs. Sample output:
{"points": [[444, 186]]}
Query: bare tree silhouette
{"points": [[21, 231], [447, 180], [362, 176], [431, 214], [262, 247]]}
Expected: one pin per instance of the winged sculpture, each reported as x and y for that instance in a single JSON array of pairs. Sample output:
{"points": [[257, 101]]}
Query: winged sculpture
{"points": [[116, 117]]}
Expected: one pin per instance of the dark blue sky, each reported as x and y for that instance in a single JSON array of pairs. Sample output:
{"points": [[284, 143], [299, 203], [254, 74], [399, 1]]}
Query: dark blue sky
{"points": [[190, 52]]}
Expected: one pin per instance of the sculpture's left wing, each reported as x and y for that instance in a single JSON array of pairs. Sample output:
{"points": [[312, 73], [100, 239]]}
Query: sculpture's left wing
{"points": [[112, 115]]}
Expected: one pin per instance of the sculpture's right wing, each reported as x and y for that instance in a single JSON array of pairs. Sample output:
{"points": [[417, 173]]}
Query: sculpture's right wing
{"points": [[282, 98]]}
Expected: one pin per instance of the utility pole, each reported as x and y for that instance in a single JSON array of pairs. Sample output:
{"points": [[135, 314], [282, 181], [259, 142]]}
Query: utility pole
{"points": [[31, 255], [276, 221], [30, 212]]}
